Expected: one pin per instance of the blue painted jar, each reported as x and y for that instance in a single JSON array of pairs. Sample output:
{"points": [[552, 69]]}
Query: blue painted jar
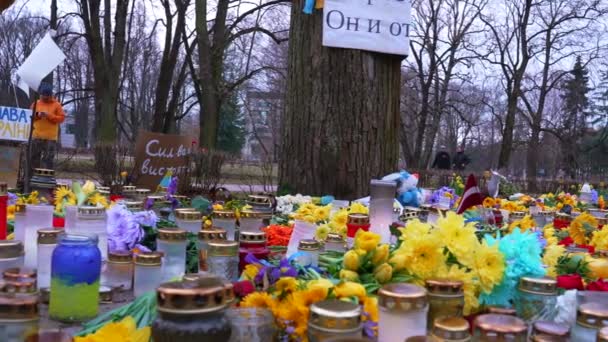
{"points": [[75, 272]]}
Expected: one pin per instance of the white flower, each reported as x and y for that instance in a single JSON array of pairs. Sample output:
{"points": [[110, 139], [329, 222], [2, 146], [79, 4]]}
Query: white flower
{"points": [[566, 308]]}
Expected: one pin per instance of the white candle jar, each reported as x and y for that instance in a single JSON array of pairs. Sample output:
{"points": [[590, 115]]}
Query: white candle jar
{"points": [[189, 221], [402, 312], [11, 255], [223, 259], [47, 241], [172, 243], [147, 273], [134, 206], [308, 253], [141, 194], [119, 270], [590, 318], [450, 329], [92, 220], [382, 196], [129, 192], [70, 218], [20, 222], [37, 217], [20, 318], [251, 221], [331, 319], [225, 220], [204, 237], [497, 327], [335, 243], [302, 230]]}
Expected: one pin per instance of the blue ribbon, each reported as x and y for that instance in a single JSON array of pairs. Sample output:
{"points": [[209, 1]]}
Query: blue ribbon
{"points": [[309, 6]]}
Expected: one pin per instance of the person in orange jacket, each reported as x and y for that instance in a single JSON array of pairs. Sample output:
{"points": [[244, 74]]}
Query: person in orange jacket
{"points": [[49, 115]]}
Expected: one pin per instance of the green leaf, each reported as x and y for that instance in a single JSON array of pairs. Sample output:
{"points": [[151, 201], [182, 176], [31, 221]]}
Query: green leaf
{"points": [[201, 204]]}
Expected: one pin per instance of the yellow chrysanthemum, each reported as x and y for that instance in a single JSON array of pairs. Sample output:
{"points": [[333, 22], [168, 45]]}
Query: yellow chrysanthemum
{"points": [[488, 266], [339, 219], [458, 237], [286, 284], [455, 273], [125, 330], [358, 208], [366, 241], [322, 213], [310, 296], [578, 228], [258, 300], [424, 255], [524, 224], [98, 199], [322, 232], [550, 257], [413, 229], [489, 202], [599, 240], [61, 193]]}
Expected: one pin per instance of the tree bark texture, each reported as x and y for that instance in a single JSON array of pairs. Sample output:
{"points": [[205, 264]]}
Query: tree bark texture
{"points": [[341, 121]]}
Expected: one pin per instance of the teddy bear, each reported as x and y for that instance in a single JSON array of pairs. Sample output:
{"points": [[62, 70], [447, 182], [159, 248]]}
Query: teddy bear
{"points": [[408, 193]]}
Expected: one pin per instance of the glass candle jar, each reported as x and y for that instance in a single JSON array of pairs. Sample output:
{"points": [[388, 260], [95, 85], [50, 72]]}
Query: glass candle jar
{"points": [[252, 243], [18, 317], [602, 335], [251, 221], [75, 272], [403, 310], [223, 259], [516, 216], [204, 236], [172, 243], [190, 221], [451, 329], [11, 254], [147, 274], [590, 318], [193, 311], [20, 222], [308, 253], [92, 220], [36, 217], [70, 219], [354, 222], [251, 324], [129, 192], [142, 194], [119, 270], [382, 197], [446, 299], [543, 331], [335, 243], [226, 220], [19, 273], [21, 286], [47, 241], [302, 230], [334, 318], [494, 327], [535, 299]]}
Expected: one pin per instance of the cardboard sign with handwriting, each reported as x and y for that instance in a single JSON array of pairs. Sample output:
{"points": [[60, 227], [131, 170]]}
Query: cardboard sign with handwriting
{"points": [[156, 153]]}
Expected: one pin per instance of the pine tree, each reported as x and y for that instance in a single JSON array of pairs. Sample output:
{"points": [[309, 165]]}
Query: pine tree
{"points": [[231, 131]]}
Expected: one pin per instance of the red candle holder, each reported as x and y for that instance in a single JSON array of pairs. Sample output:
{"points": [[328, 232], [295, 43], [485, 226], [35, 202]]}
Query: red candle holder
{"points": [[252, 243], [3, 210]]}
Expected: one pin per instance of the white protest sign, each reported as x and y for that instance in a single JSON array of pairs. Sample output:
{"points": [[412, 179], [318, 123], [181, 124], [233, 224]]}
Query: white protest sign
{"points": [[45, 57], [373, 25], [15, 123]]}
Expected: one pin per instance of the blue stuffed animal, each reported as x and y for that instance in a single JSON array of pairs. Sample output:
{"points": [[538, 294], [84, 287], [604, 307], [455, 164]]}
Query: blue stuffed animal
{"points": [[408, 193]]}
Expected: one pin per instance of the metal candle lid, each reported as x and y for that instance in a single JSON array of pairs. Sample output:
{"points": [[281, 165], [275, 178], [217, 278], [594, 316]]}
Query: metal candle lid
{"points": [[309, 245], [223, 248], [148, 259], [451, 329], [444, 288], [259, 200], [335, 238], [17, 273], [168, 234], [335, 316], [409, 213], [540, 286], [358, 219], [134, 205], [602, 335], [402, 297], [558, 332], [194, 297], [48, 236], [502, 310], [592, 315], [128, 188], [188, 215], [19, 307], [253, 237], [142, 192], [223, 214], [493, 325], [21, 286], [10, 249], [44, 172], [120, 257], [91, 212], [212, 234], [252, 214]]}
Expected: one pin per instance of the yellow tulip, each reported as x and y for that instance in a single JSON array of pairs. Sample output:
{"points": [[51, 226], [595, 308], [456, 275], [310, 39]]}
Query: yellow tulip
{"points": [[367, 241], [399, 261], [383, 273], [350, 289], [320, 283], [599, 268], [349, 275], [88, 187], [351, 261], [380, 255]]}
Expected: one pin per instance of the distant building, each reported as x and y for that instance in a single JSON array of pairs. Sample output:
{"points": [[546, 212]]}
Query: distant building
{"points": [[263, 112]]}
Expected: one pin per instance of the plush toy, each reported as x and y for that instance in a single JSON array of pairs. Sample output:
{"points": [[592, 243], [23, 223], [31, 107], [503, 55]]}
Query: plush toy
{"points": [[408, 193]]}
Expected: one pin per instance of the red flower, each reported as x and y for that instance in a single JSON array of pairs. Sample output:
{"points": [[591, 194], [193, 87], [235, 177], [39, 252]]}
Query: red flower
{"points": [[560, 224], [591, 249], [570, 282], [243, 288], [114, 198], [599, 285], [58, 222], [567, 241]]}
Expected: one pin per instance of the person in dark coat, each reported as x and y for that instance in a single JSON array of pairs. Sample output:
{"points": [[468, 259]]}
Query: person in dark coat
{"points": [[461, 160], [442, 160]]}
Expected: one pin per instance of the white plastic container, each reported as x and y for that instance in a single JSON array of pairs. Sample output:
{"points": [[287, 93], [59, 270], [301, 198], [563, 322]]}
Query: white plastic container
{"points": [[47, 241], [147, 275], [37, 217], [172, 243], [118, 273], [20, 222], [11, 254], [402, 312], [92, 220], [382, 196], [225, 220], [190, 221]]}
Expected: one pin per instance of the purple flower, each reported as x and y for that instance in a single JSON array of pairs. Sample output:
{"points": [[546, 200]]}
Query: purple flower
{"points": [[172, 188], [594, 196], [369, 327], [142, 248], [12, 198], [146, 218], [149, 204]]}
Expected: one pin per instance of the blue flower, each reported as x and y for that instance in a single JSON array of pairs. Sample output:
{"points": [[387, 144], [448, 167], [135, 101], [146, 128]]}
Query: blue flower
{"points": [[594, 196]]}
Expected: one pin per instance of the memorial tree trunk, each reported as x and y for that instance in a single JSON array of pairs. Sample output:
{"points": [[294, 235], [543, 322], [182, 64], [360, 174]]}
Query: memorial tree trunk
{"points": [[341, 120]]}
